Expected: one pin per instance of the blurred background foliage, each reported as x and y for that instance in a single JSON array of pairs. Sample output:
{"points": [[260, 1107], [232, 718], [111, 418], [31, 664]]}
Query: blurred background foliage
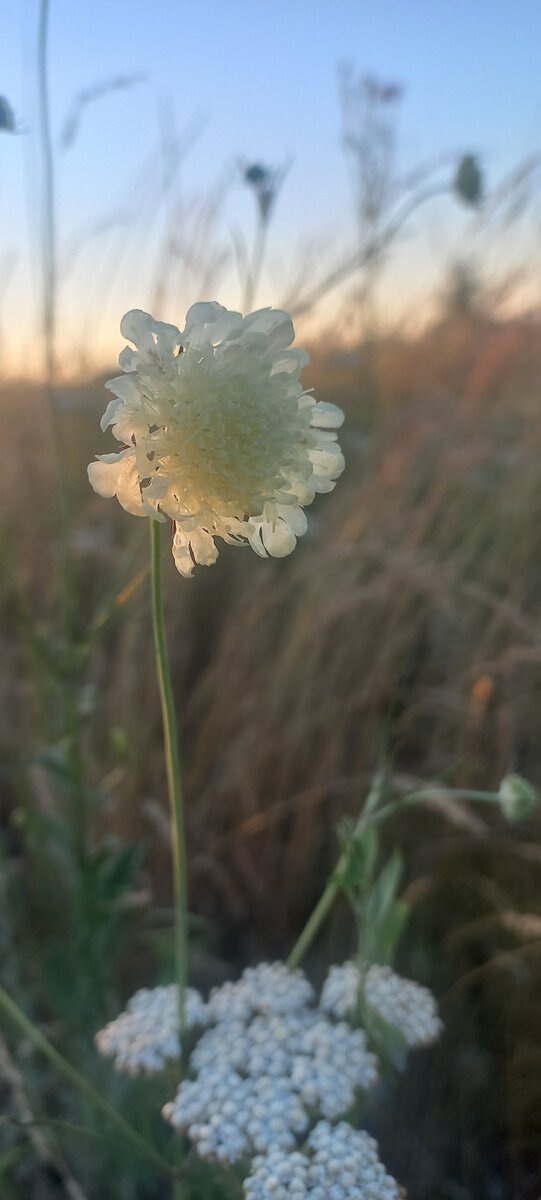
{"points": [[405, 629]]}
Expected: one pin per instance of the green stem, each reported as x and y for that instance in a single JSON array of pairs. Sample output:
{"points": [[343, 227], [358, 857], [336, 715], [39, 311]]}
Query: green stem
{"points": [[372, 814], [86, 1089], [174, 783], [431, 793], [335, 884]]}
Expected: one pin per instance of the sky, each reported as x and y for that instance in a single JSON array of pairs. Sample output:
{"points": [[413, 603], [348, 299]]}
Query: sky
{"points": [[237, 81]]}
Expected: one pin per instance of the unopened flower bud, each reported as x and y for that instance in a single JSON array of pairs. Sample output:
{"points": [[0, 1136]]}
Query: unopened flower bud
{"points": [[468, 181], [518, 798]]}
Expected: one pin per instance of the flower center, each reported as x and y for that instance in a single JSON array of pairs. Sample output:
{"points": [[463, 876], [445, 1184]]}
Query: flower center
{"points": [[229, 443]]}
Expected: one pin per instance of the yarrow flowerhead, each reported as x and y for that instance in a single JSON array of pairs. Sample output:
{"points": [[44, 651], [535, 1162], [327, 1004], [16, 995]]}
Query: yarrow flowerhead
{"points": [[269, 1067], [218, 434], [229, 1117], [267, 988], [146, 1035], [409, 1007], [339, 1163]]}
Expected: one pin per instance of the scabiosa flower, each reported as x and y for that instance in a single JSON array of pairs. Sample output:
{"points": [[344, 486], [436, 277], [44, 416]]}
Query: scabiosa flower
{"points": [[218, 434], [338, 1163], [146, 1035], [407, 1006]]}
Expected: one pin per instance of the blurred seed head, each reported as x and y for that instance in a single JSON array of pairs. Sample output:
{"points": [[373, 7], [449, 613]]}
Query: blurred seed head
{"points": [[468, 181], [265, 183], [8, 123]]}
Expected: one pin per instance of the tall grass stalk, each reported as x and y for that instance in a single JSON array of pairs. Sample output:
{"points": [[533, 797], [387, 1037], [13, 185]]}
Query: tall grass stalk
{"points": [[49, 302], [174, 780], [82, 1085]]}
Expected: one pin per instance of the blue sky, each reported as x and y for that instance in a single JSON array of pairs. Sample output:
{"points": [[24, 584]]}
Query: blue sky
{"points": [[259, 81]]}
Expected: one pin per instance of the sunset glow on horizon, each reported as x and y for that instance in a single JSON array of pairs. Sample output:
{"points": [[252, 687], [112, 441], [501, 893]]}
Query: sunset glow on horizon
{"points": [[151, 209]]}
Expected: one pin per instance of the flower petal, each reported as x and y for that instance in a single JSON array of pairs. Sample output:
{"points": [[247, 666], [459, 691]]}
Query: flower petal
{"points": [[278, 539], [136, 327], [149, 335], [276, 326], [295, 517], [199, 321], [327, 416], [181, 553], [116, 475]]}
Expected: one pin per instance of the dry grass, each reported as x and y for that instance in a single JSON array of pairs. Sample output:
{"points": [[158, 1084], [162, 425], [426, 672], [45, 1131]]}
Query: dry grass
{"points": [[407, 621]]}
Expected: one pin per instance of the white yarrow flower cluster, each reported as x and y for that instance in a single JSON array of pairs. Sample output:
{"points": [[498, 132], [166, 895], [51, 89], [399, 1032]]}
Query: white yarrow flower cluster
{"points": [[217, 432], [268, 1068], [339, 1163], [269, 987], [146, 1035], [407, 1006], [229, 1117]]}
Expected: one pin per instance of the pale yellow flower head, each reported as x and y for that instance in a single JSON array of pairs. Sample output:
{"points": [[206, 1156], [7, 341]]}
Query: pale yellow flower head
{"points": [[218, 434]]}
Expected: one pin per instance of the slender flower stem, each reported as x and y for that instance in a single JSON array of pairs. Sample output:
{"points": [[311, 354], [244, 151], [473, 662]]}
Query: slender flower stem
{"points": [[256, 263], [174, 783], [372, 814], [432, 794], [83, 1086], [334, 886], [49, 306]]}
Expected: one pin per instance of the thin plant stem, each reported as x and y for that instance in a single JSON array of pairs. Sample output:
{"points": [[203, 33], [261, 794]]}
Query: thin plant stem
{"points": [[336, 881], [174, 781], [256, 263], [431, 794], [372, 814], [82, 1085], [49, 302]]}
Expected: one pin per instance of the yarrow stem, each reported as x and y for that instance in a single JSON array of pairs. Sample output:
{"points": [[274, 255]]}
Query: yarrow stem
{"points": [[174, 781], [334, 886], [372, 814], [86, 1089]]}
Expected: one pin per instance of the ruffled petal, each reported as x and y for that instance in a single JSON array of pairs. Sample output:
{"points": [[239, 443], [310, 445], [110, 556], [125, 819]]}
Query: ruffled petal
{"points": [[116, 475], [290, 362], [150, 336], [327, 416], [181, 553], [295, 517], [207, 321], [278, 538], [328, 461], [136, 327], [203, 547], [275, 325]]}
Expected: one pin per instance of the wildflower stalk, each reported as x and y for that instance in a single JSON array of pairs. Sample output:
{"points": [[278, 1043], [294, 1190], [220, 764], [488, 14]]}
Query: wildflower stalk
{"points": [[254, 269], [432, 793], [49, 303], [174, 782], [372, 814], [82, 1085], [336, 881]]}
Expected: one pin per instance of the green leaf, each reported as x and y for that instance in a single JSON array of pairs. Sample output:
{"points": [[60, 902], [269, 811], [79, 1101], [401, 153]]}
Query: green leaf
{"points": [[389, 1042], [362, 850], [377, 920]]}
